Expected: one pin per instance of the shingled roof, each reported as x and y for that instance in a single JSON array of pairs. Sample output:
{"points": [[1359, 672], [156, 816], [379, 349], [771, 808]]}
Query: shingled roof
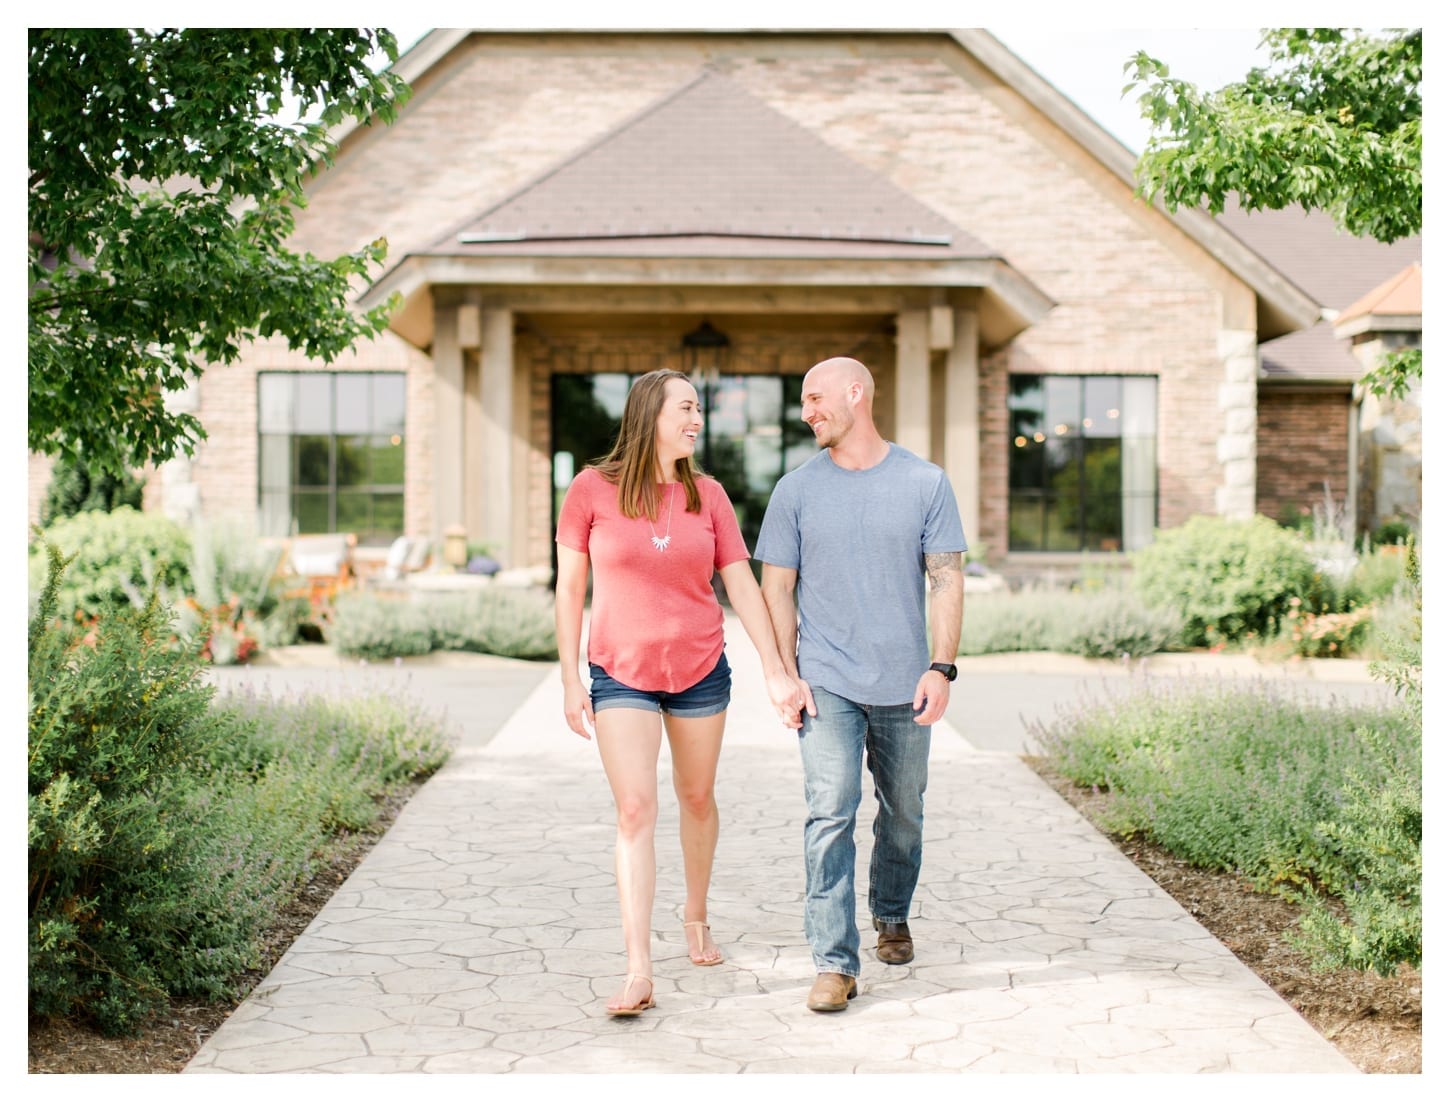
{"points": [[1327, 263], [710, 170], [1398, 302]]}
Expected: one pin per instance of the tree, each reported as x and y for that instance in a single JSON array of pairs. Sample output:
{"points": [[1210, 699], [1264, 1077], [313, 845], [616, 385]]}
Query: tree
{"points": [[1331, 124], [162, 190], [74, 488]]}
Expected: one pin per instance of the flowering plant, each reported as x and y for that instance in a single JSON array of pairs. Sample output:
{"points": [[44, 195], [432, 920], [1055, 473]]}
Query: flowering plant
{"points": [[226, 633], [1327, 634]]}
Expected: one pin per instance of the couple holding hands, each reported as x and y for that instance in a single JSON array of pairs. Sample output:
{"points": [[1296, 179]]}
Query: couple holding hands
{"points": [[839, 620]]}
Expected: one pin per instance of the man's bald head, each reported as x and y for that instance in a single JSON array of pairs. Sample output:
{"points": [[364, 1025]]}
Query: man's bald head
{"points": [[842, 371], [836, 399]]}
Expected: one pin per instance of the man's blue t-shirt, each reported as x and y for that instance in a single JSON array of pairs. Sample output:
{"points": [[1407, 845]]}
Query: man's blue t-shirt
{"points": [[858, 541]]}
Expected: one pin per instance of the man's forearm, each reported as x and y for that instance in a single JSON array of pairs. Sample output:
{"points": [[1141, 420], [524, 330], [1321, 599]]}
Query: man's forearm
{"points": [[780, 605], [944, 606]]}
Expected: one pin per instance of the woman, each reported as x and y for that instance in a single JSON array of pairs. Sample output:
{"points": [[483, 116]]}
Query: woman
{"points": [[655, 531]]}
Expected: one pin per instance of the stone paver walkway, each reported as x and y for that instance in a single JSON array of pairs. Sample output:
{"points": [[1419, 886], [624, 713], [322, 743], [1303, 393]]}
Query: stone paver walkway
{"points": [[481, 935]]}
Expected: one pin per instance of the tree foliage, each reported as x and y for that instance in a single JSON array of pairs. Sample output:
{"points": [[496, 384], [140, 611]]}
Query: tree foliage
{"points": [[1332, 123], [162, 189], [75, 488]]}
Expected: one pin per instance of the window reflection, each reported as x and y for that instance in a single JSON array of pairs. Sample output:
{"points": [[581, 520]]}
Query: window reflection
{"points": [[1082, 469], [331, 453]]}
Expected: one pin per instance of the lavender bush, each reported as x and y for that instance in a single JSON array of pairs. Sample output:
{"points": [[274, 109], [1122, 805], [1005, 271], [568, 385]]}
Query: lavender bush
{"points": [[165, 829]]}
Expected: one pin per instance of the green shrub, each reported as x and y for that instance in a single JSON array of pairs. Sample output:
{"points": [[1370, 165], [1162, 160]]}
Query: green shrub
{"points": [[1227, 579], [1314, 801], [502, 620], [115, 560], [1379, 575], [365, 625], [1403, 665], [166, 830], [1378, 833], [75, 489], [1396, 531], [1377, 872], [1104, 623], [115, 718], [1112, 624]]}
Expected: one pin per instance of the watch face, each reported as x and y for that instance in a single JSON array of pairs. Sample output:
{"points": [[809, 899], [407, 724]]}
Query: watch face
{"points": [[946, 669]]}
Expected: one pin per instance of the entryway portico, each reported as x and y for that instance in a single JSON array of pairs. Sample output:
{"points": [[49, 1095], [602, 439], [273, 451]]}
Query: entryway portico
{"points": [[791, 249]]}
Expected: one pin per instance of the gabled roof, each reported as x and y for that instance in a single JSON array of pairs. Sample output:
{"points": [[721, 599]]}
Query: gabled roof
{"points": [[1329, 264], [1333, 266], [1396, 304], [711, 170], [1312, 355], [1283, 307]]}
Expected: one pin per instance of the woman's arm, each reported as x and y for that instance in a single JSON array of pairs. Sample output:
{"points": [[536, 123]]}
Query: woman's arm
{"points": [[745, 599], [570, 584]]}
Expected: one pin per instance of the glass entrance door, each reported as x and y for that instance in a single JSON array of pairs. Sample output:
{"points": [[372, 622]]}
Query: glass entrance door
{"points": [[753, 434]]}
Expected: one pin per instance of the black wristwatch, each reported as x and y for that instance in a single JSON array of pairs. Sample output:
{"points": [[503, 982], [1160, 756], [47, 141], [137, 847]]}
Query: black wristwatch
{"points": [[946, 669]]}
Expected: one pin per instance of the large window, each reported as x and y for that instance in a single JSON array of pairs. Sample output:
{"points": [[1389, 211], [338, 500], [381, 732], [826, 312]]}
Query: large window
{"points": [[1083, 462], [330, 453]]}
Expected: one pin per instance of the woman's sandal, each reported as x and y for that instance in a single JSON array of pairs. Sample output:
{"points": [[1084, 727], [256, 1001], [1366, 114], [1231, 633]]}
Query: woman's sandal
{"points": [[643, 1004], [700, 959]]}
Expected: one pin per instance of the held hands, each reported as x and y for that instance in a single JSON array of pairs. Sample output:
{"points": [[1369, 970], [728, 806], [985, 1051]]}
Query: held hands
{"points": [[789, 696], [578, 711], [932, 693]]}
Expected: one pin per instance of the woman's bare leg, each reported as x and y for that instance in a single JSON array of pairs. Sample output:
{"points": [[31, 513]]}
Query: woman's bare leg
{"points": [[695, 753], [629, 747]]}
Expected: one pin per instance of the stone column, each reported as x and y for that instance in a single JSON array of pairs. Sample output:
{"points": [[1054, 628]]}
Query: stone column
{"points": [[469, 338], [496, 379], [913, 383], [962, 449], [1238, 447], [448, 412]]}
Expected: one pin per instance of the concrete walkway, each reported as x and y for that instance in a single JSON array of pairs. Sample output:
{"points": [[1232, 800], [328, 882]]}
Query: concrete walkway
{"points": [[481, 934]]}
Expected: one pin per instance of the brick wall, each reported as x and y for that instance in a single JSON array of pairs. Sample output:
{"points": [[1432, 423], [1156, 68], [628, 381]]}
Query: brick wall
{"points": [[1303, 444]]}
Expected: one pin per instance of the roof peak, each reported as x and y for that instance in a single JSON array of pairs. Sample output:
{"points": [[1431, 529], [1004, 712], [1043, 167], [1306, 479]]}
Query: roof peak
{"points": [[710, 160]]}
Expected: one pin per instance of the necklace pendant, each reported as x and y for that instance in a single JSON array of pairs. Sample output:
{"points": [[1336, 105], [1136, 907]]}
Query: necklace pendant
{"points": [[660, 542]]}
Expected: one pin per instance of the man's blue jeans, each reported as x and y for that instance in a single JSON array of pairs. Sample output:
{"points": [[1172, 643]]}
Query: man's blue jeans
{"points": [[896, 749]]}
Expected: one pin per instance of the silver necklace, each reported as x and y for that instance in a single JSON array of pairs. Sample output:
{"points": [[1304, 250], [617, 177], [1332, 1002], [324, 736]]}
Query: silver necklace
{"points": [[661, 542]]}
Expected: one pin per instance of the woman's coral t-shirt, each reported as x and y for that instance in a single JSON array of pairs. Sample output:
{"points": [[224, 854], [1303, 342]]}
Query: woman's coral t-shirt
{"points": [[655, 623]]}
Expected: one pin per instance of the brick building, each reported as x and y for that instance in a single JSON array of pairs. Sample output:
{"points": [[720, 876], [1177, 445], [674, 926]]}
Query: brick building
{"points": [[567, 209]]}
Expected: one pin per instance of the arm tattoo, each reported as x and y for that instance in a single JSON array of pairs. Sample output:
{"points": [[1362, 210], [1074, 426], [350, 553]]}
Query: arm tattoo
{"points": [[939, 568]]}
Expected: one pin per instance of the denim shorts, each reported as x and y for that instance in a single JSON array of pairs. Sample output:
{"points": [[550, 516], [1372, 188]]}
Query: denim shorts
{"points": [[707, 697]]}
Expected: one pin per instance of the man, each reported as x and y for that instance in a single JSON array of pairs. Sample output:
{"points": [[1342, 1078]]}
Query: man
{"points": [[850, 533]]}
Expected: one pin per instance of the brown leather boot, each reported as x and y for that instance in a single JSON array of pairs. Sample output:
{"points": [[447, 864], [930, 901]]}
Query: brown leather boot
{"points": [[893, 942], [831, 991]]}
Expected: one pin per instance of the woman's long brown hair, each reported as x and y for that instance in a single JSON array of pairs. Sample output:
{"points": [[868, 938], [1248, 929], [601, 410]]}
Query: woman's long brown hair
{"points": [[631, 464]]}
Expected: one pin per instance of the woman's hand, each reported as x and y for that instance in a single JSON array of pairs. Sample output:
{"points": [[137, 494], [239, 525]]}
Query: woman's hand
{"points": [[787, 698], [578, 711]]}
